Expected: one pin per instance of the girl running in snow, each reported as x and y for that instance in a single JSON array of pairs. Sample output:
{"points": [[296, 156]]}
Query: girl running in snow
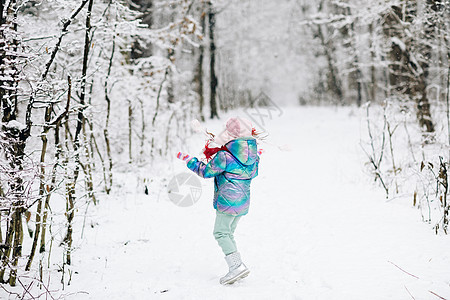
{"points": [[233, 166]]}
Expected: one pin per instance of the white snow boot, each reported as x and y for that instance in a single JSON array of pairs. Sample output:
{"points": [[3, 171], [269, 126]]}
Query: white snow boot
{"points": [[237, 269]]}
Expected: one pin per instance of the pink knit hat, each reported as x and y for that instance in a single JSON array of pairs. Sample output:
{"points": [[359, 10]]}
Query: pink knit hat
{"points": [[235, 128]]}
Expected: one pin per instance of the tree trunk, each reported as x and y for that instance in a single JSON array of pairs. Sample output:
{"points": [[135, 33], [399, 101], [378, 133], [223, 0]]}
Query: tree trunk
{"points": [[14, 152], [356, 74], [37, 230], [407, 76], [14, 138], [158, 96], [6, 251], [333, 82], [212, 61], [89, 181], [130, 132], [169, 86], [198, 79], [70, 205], [143, 129], [18, 239], [3, 103], [58, 147], [108, 175], [146, 8], [373, 78]]}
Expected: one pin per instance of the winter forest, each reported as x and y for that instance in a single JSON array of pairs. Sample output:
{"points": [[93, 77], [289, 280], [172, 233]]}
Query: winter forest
{"points": [[351, 103]]}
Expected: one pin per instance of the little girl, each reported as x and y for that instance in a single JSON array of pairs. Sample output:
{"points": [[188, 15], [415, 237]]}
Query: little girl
{"points": [[233, 167]]}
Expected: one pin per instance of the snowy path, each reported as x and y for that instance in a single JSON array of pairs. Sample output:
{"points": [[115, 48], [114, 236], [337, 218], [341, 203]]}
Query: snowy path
{"points": [[317, 229]]}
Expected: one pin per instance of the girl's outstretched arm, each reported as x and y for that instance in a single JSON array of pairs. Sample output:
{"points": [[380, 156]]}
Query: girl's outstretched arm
{"points": [[213, 168]]}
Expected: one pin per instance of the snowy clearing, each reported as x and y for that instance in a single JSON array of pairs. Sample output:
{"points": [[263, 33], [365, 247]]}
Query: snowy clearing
{"points": [[317, 229]]}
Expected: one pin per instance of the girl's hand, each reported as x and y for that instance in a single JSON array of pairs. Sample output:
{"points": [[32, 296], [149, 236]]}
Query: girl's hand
{"points": [[183, 156]]}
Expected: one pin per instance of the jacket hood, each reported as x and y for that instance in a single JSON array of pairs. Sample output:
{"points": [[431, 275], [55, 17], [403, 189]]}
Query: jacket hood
{"points": [[243, 149]]}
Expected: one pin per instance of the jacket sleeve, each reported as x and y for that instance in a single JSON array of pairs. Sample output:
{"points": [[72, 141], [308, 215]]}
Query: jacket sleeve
{"points": [[213, 168], [257, 166]]}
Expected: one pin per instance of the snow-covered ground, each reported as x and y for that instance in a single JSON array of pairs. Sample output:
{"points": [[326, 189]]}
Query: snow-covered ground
{"points": [[317, 229]]}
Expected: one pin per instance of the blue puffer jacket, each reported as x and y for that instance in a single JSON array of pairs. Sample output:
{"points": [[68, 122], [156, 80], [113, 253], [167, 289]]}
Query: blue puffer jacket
{"points": [[233, 170]]}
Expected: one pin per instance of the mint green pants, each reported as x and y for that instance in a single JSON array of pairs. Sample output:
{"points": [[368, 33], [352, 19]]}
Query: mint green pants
{"points": [[224, 228]]}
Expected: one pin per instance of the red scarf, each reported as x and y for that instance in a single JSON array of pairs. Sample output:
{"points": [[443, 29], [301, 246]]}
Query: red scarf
{"points": [[209, 152]]}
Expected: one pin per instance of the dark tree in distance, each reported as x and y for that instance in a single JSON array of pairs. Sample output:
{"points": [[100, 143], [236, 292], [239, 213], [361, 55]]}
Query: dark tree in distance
{"points": [[198, 78], [212, 62], [407, 76]]}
